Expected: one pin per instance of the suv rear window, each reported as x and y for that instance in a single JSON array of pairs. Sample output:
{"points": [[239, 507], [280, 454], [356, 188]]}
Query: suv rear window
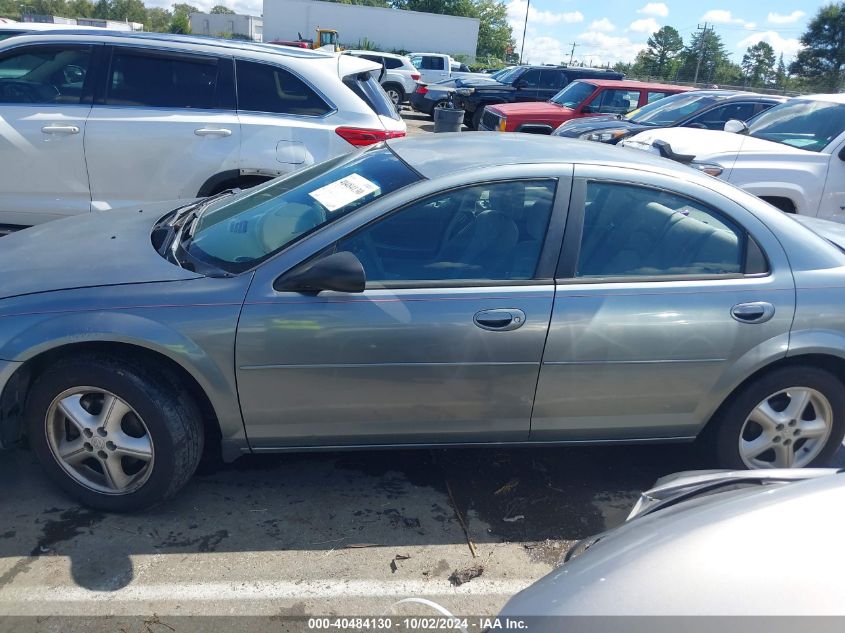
{"points": [[390, 63], [268, 88], [371, 92]]}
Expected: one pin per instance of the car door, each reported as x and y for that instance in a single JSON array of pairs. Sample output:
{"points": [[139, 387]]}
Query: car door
{"points": [[528, 85], [715, 118], [833, 200], [617, 101], [433, 68], [163, 124], [443, 345], [667, 296], [45, 99], [552, 81]]}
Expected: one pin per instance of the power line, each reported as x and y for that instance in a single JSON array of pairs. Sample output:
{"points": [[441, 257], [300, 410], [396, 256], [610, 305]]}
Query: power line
{"points": [[703, 30], [572, 52]]}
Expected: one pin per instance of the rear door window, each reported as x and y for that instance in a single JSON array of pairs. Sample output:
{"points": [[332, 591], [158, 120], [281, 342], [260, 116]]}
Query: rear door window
{"points": [[552, 80], [656, 96], [163, 80], [715, 119], [268, 88]]}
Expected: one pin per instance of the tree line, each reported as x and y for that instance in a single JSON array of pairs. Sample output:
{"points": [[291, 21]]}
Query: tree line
{"points": [[495, 39], [819, 65]]}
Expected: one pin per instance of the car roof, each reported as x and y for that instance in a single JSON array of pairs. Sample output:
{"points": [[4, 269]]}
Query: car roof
{"points": [[49, 26], [200, 41], [355, 51], [437, 155], [831, 98], [631, 83]]}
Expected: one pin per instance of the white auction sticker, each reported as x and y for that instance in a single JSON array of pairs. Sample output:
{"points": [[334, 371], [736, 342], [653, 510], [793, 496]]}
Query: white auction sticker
{"points": [[344, 191]]}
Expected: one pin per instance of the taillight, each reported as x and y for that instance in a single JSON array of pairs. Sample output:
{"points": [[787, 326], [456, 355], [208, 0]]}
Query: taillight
{"points": [[421, 89], [415, 76], [361, 137]]}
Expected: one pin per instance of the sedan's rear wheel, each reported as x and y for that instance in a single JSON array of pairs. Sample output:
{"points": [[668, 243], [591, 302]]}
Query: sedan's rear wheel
{"points": [[116, 436], [789, 418]]}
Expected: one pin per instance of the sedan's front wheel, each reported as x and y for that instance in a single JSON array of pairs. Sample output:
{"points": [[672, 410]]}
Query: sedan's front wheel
{"points": [[788, 418], [114, 435]]}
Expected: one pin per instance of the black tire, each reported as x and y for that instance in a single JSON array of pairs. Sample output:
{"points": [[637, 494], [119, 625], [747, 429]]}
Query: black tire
{"points": [[476, 118], [172, 419], [244, 182], [440, 104], [726, 426], [395, 92]]}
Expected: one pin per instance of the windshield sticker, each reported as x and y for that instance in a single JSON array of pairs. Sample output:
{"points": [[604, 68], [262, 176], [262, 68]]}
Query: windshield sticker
{"points": [[345, 191]]}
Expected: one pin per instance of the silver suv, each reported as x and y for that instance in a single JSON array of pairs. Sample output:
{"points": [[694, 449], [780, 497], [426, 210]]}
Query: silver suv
{"points": [[399, 77]]}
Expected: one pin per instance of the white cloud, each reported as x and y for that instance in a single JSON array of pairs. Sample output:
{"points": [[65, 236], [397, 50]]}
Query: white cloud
{"points": [[788, 46], [644, 25], [516, 14], [544, 50], [599, 48], [658, 9], [777, 18], [722, 16], [602, 25]]}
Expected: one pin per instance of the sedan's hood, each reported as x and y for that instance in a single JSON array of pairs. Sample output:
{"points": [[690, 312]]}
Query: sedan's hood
{"points": [[707, 145], [103, 248]]}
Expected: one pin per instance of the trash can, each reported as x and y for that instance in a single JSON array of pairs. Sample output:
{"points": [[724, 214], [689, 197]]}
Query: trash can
{"points": [[448, 119]]}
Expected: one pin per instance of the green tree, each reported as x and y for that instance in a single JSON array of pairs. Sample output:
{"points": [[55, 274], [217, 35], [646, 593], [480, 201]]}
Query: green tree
{"points": [[187, 9], [158, 20], [80, 9], [822, 57], [180, 23], [495, 37], [781, 74], [663, 47], [758, 63], [715, 64], [221, 9]]}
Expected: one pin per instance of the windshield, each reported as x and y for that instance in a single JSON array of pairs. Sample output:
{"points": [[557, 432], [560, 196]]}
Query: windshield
{"points": [[573, 94], [237, 233], [800, 123], [671, 109]]}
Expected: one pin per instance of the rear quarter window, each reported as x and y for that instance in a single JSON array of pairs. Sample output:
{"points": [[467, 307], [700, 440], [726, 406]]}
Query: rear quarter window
{"points": [[268, 88], [370, 92]]}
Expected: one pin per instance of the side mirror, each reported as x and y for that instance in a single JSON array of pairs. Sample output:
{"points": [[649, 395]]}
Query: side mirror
{"points": [[735, 126], [342, 272]]}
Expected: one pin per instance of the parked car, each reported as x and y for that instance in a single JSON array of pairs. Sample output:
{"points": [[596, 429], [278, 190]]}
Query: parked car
{"points": [[528, 83], [103, 120], [581, 98], [706, 544], [399, 77], [436, 67], [709, 109], [792, 156], [426, 97], [428, 291]]}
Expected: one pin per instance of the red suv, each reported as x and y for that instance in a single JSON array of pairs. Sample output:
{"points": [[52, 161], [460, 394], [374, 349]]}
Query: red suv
{"points": [[581, 98]]}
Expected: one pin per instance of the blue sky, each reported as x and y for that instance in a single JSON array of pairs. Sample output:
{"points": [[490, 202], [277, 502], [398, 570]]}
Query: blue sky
{"points": [[615, 30]]}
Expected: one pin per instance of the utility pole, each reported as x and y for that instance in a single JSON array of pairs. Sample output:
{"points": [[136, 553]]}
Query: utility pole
{"points": [[572, 52], [703, 30], [524, 29]]}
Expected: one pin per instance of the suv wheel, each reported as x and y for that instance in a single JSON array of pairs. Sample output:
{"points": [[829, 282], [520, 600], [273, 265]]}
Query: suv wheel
{"points": [[113, 435], [395, 92], [788, 418]]}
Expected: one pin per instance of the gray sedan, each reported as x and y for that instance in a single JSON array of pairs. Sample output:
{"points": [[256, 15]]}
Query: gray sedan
{"points": [[448, 290]]}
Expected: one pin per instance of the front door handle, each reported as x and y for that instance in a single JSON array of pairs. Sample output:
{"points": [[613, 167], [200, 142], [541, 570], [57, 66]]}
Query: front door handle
{"points": [[60, 129], [753, 312], [499, 320], [207, 131]]}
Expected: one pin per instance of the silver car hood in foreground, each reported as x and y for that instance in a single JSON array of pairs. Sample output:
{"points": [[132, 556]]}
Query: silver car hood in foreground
{"points": [[761, 551], [103, 248], [831, 231]]}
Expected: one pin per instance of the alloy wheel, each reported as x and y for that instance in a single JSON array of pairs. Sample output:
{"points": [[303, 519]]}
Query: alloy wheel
{"points": [[99, 440], [788, 429], [394, 95]]}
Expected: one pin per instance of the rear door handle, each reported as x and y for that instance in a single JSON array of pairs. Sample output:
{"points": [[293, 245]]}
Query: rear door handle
{"points": [[499, 320], [753, 312], [206, 131], [60, 129]]}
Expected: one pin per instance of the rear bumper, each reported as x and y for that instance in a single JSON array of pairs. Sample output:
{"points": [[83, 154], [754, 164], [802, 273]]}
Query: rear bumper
{"points": [[420, 103]]}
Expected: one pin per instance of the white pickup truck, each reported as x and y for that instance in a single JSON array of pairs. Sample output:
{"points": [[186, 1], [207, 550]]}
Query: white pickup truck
{"points": [[792, 156], [436, 67]]}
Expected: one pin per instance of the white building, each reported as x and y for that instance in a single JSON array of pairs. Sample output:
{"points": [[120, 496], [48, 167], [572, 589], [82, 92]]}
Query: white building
{"points": [[112, 25], [247, 27], [385, 29]]}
